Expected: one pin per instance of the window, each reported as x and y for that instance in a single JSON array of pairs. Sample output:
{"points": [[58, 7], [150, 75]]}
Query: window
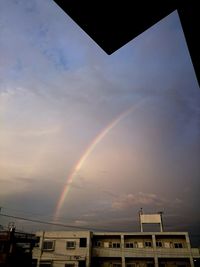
{"points": [[116, 245], [70, 245], [147, 244], [130, 265], [48, 245], [129, 245], [97, 243], [159, 244], [150, 264], [69, 265], [83, 242], [111, 244], [37, 241], [116, 265], [178, 245], [45, 264]]}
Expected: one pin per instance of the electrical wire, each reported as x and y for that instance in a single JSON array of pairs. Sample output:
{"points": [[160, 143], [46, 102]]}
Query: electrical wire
{"points": [[21, 211], [43, 222], [52, 223], [55, 223]]}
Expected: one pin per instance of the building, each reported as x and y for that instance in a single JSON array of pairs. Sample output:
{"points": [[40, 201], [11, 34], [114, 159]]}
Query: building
{"points": [[63, 249], [143, 249], [114, 249], [16, 248]]}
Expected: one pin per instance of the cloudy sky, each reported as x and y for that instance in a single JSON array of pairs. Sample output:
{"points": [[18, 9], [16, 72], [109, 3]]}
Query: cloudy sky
{"points": [[111, 134]]}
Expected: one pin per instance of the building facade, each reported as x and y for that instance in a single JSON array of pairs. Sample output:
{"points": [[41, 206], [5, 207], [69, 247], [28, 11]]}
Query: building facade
{"points": [[114, 249], [63, 249]]}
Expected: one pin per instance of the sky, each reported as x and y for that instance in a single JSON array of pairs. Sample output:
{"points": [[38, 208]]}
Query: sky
{"points": [[87, 138]]}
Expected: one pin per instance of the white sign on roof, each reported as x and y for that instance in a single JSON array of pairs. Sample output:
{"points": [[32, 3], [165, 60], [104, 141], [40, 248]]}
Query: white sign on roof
{"points": [[150, 218]]}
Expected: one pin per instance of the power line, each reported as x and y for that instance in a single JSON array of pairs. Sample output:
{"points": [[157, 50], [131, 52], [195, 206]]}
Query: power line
{"points": [[26, 213], [53, 223], [20, 211], [49, 223], [43, 222]]}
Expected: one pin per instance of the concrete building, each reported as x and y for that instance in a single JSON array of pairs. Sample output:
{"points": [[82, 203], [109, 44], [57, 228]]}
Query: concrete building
{"points": [[144, 249], [115, 249], [63, 249]]}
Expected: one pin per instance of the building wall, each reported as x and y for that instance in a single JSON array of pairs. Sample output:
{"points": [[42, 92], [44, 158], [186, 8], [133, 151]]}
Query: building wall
{"points": [[66, 248], [111, 249]]}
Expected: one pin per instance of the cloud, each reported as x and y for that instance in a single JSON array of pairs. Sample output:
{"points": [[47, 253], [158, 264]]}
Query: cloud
{"points": [[18, 179], [140, 199], [35, 133]]}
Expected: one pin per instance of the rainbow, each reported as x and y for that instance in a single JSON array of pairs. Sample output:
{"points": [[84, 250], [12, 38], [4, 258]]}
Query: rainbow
{"points": [[86, 154]]}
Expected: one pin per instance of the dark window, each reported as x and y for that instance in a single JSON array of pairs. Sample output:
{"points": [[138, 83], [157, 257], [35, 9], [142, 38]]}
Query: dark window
{"points": [[147, 244], [37, 241], [129, 245], [97, 243], [150, 264], [83, 242], [178, 245], [48, 245], [69, 265], [70, 245], [116, 245], [159, 244]]}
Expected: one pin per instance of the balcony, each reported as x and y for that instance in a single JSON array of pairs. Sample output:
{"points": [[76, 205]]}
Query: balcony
{"points": [[144, 252]]}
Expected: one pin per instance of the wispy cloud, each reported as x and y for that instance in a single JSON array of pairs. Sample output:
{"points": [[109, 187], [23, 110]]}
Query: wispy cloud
{"points": [[141, 199], [35, 133]]}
